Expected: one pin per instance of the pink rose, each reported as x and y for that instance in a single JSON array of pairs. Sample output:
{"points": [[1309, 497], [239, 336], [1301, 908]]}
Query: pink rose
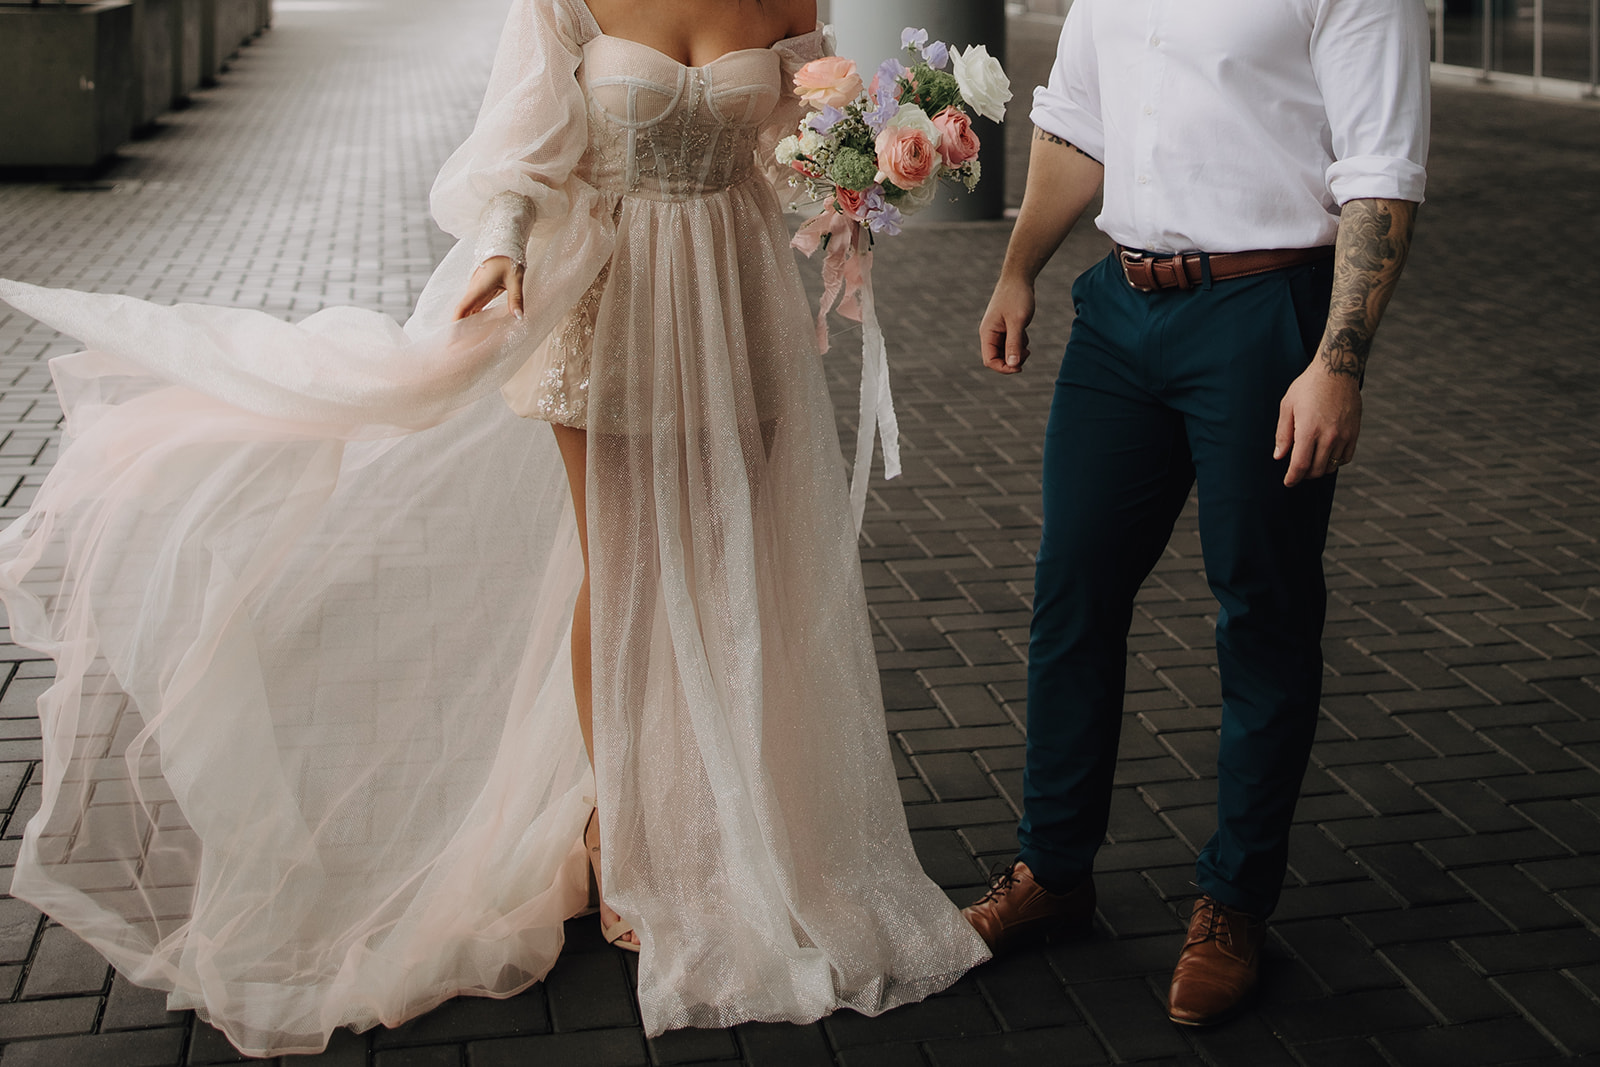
{"points": [[958, 143], [831, 81], [906, 156], [852, 203]]}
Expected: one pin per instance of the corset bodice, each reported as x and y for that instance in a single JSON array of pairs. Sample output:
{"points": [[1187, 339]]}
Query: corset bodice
{"points": [[662, 130]]}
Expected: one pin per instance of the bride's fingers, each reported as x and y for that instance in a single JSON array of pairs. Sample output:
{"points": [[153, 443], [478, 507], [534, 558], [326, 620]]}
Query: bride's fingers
{"points": [[514, 293]]}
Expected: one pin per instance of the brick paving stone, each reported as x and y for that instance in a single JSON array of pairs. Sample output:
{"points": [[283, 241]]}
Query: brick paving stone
{"points": [[1445, 982], [64, 964], [1426, 923], [1558, 1006], [592, 1048], [1545, 950], [1497, 1041], [1129, 1019], [1373, 1011], [1342, 1052], [1339, 960], [137, 1048], [1515, 898], [1067, 1046], [777, 1045], [40, 1018], [425, 1056], [1410, 874], [943, 1016]]}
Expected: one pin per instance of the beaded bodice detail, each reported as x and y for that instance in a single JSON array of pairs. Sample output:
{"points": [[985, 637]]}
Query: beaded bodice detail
{"points": [[664, 131]]}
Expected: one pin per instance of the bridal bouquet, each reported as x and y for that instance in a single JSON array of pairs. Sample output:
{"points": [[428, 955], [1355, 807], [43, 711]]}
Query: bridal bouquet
{"points": [[874, 154], [877, 153]]}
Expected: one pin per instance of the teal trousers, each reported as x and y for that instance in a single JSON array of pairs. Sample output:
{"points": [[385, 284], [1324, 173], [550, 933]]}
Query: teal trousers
{"points": [[1159, 393]]}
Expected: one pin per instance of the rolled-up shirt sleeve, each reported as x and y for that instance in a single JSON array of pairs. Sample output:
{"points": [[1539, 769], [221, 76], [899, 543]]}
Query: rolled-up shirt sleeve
{"points": [[1370, 58], [1069, 107]]}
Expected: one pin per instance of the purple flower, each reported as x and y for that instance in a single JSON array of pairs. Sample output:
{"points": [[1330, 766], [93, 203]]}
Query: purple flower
{"points": [[937, 55], [825, 120], [913, 37], [888, 83], [881, 216]]}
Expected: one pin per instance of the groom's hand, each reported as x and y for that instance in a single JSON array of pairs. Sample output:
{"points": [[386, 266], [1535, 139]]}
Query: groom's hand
{"points": [[1319, 421], [1004, 333]]}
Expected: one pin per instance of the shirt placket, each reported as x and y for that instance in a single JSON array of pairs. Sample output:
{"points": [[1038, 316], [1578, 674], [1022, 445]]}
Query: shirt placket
{"points": [[1146, 120]]}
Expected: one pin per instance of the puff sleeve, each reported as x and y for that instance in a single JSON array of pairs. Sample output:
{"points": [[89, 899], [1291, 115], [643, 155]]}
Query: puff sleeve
{"points": [[531, 131], [795, 53]]}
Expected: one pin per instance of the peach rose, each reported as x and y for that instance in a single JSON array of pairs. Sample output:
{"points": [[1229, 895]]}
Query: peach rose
{"points": [[831, 81], [907, 156], [957, 142]]}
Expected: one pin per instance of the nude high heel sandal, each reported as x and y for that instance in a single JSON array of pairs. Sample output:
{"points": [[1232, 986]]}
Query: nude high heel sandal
{"points": [[620, 929]]}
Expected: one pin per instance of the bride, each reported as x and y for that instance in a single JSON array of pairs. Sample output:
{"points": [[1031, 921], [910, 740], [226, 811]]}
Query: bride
{"points": [[337, 628]]}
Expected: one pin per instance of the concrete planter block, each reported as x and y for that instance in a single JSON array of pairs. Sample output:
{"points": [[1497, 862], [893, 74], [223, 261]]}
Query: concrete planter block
{"points": [[187, 20], [210, 60], [68, 84], [233, 22], [154, 58]]}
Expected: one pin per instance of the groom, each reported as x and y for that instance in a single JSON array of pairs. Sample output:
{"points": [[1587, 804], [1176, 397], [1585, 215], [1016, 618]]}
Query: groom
{"points": [[1222, 343]]}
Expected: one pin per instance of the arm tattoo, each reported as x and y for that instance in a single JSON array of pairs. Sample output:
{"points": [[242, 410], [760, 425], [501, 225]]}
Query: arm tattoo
{"points": [[1041, 135], [1374, 238]]}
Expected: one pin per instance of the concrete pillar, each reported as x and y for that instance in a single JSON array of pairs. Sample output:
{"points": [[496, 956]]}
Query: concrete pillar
{"points": [[869, 33]]}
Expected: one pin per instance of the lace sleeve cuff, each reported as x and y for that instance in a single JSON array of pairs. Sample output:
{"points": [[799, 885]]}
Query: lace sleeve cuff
{"points": [[504, 226]]}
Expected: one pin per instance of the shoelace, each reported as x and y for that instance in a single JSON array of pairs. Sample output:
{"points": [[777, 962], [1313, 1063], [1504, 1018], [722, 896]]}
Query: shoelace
{"points": [[1216, 924], [1001, 879], [1218, 928]]}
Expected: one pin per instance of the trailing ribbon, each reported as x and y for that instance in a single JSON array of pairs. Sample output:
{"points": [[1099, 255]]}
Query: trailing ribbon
{"points": [[847, 282]]}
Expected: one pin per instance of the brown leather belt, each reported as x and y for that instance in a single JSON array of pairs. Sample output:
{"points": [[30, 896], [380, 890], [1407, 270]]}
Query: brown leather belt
{"points": [[1150, 273]]}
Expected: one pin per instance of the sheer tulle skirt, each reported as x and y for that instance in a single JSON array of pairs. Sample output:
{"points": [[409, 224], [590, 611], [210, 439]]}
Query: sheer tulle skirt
{"points": [[312, 759], [756, 838]]}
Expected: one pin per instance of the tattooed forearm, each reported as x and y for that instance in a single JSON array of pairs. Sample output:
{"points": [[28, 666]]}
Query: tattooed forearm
{"points": [[1374, 239], [1041, 135]]}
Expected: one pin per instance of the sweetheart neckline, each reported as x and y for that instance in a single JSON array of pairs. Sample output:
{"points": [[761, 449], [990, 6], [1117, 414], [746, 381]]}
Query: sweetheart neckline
{"points": [[689, 66], [598, 32]]}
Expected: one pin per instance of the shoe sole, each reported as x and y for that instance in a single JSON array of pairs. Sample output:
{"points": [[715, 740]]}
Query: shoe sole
{"points": [[1216, 1020]]}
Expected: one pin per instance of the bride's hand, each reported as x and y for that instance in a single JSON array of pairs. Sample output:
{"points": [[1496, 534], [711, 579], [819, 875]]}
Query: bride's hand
{"points": [[491, 278]]}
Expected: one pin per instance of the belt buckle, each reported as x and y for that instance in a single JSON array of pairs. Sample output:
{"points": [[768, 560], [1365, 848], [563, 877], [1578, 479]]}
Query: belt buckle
{"points": [[1132, 260]]}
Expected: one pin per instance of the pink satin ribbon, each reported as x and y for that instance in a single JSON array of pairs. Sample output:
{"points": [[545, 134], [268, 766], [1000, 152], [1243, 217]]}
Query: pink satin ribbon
{"points": [[843, 274]]}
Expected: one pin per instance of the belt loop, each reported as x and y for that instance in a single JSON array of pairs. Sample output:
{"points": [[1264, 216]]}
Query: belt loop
{"points": [[1205, 270]]}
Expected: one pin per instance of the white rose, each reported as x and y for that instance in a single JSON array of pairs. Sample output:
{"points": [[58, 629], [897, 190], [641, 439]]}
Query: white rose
{"points": [[983, 81], [913, 116], [811, 143], [788, 151]]}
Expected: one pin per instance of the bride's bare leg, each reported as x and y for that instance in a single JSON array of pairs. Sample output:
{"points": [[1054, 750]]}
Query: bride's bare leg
{"points": [[574, 446]]}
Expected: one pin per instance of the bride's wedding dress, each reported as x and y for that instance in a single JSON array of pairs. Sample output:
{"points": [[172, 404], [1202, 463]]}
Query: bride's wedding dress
{"points": [[311, 758]]}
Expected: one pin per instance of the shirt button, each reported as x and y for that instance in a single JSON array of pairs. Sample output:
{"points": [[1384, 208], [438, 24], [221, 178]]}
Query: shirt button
{"points": [[1144, 179], [1155, 42], [1148, 110]]}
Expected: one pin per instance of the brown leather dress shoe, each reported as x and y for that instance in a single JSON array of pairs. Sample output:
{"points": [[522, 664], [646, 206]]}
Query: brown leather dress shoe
{"points": [[1018, 909], [1220, 964]]}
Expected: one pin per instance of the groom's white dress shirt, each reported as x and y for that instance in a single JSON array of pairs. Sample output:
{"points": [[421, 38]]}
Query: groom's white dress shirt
{"points": [[1230, 125]]}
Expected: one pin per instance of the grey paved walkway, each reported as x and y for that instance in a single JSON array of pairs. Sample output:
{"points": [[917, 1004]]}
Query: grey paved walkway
{"points": [[1444, 899]]}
